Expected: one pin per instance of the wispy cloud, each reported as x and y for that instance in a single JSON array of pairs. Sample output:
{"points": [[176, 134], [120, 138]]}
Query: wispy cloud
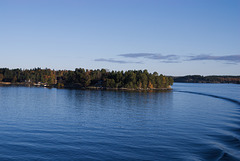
{"points": [[170, 61], [227, 58], [136, 55], [117, 61], [153, 56]]}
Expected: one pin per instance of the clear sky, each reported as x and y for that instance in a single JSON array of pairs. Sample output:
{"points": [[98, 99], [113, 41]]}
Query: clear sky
{"points": [[172, 37]]}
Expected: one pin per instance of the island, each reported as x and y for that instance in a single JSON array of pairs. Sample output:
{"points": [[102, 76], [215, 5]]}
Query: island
{"points": [[86, 79]]}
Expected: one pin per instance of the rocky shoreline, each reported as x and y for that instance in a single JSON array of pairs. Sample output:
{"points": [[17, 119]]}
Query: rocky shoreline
{"points": [[75, 86]]}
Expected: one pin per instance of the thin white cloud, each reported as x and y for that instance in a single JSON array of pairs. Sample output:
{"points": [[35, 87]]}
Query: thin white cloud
{"points": [[117, 61]]}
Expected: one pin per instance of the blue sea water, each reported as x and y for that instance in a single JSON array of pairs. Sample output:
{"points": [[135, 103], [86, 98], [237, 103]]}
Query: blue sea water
{"points": [[191, 122]]}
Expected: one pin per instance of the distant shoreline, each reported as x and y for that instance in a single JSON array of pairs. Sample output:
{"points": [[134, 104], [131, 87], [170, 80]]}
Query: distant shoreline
{"points": [[207, 79]]}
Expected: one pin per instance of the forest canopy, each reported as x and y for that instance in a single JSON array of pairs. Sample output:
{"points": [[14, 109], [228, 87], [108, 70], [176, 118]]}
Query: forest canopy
{"points": [[131, 79]]}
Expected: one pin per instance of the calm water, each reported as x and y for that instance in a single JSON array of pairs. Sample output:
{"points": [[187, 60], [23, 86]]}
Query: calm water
{"points": [[193, 122]]}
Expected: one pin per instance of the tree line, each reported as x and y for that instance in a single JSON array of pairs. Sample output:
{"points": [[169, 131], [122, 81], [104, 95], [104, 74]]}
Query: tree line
{"points": [[131, 79], [208, 79]]}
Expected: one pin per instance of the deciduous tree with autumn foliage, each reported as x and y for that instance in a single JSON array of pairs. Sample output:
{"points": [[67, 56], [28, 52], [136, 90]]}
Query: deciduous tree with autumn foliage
{"points": [[131, 79]]}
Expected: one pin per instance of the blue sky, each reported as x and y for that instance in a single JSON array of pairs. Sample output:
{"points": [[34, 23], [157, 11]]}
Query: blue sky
{"points": [[172, 37]]}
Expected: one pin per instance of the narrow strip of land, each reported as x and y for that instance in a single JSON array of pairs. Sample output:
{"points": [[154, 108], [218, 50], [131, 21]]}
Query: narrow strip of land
{"points": [[207, 79]]}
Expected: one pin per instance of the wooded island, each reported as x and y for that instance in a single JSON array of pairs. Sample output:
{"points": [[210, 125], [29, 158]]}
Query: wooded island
{"points": [[81, 78]]}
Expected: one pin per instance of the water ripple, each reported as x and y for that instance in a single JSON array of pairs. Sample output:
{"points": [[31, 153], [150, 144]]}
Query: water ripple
{"points": [[39, 124]]}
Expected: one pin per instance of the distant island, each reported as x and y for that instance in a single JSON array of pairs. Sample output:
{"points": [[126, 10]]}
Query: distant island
{"points": [[207, 79], [86, 79]]}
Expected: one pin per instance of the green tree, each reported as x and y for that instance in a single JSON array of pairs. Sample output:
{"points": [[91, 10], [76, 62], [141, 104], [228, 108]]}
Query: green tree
{"points": [[1, 77], [14, 79]]}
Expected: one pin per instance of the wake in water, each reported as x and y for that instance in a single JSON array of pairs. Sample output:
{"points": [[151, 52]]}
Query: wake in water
{"points": [[210, 95], [227, 142]]}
